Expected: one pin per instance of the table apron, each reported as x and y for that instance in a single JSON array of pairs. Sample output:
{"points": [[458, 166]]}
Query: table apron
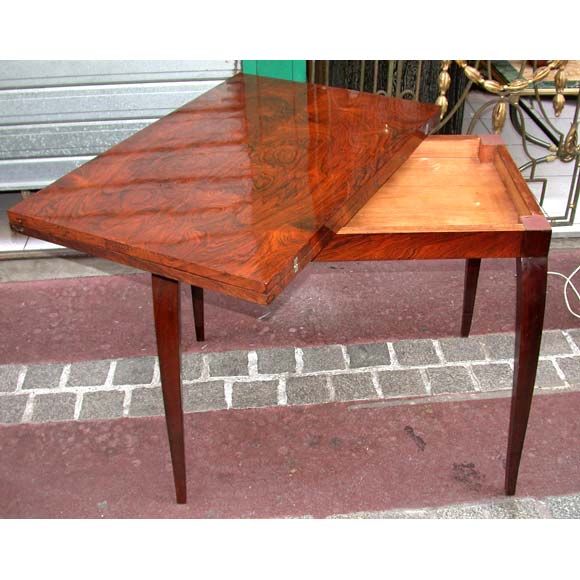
{"points": [[427, 246]]}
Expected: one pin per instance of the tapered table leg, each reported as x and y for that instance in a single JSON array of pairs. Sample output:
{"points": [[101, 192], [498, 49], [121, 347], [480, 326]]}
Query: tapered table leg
{"points": [[166, 307], [531, 300], [197, 298], [470, 289]]}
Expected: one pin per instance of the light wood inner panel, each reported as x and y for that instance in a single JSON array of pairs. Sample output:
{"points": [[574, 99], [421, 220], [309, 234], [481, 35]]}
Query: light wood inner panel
{"points": [[443, 186]]}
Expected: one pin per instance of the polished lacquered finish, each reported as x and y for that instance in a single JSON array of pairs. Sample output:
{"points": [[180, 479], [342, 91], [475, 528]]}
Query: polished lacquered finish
{"points": [[237, 190]]}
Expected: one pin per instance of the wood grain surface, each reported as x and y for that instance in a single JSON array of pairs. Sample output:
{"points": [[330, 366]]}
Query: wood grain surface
{"points": [[237, 190], [455, 197]]}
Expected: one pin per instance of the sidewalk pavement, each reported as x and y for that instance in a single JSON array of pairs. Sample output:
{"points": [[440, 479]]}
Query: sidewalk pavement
{"points": [[476, 367], [268, 379], [400, 373]]}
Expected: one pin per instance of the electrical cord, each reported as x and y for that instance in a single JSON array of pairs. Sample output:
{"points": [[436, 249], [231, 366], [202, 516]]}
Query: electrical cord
{"points": [[569, 283]]}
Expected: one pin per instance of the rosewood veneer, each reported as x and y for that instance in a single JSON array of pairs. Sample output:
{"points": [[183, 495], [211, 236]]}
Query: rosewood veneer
{"points": [[240, 189]]}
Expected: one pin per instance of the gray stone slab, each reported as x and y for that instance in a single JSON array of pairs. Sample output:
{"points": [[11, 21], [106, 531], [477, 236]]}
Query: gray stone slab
{"points": [[9, 377], [399, 383], [575, 335], [571, 369], [255, 394], [89, 373], [53, 407], [499, 346], [386, 515], [458, 512], [146, 402], [462, 349], [525, 508], [493, 377], [564, 507], [323, 358], [12, 408], [191, 366], [134, 371], [570, 366], [206, 396], [415, 352], [553, 343], [307, 390], [276, 360], [43, 376], [353, 386], [547, 376], [450, 380], [368, 355], [102, 405], [228, 364]]}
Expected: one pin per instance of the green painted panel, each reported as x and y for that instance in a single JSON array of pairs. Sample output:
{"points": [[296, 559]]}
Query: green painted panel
{"points": [[291, 70]]}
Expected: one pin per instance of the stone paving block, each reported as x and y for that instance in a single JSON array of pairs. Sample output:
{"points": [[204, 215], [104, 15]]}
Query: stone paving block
{"points": [[255, 394], [12, 408], [575, 334], [450, 380], [386, 515], [571, 369], [399, 383], [462, 349], [102, 405], [9, 377], [368, 355], [146, 402], [553, 343], [323, 358], [207, 396], [42, 376], [228, 364], [565, 506], [494, 376], [307, 390], [415, 352], [499, 346], [54, 407], [547, 376], [191, 366], [276, 360], [458, 512], [89, 373], [524, 508], [134, 371], [353, 386]]}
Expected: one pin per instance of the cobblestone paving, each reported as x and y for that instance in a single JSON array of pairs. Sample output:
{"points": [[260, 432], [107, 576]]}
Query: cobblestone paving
{"points": [[480, 366]]}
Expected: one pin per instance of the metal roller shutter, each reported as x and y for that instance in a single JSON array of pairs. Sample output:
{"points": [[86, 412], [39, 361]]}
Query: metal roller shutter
{"points": [[56, 115]]}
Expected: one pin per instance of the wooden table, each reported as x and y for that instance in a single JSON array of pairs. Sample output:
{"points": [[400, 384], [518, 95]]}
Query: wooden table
{"points": [[240, 189]]}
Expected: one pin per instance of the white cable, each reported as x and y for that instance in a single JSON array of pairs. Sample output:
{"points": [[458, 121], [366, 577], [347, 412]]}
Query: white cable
{"points": [[569, 283]]}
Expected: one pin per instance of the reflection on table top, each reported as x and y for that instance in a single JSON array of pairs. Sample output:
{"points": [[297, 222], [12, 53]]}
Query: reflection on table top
{"points": [[240, 186]]}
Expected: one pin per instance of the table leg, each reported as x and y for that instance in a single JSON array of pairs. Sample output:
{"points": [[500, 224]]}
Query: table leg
{"points": [[197, 298], [166, 307], [531, 300], [469, 291]]}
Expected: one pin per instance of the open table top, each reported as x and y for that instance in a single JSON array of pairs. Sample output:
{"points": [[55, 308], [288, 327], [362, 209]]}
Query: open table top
{"points": [[457, 196], [238, 189], [446, 185]]}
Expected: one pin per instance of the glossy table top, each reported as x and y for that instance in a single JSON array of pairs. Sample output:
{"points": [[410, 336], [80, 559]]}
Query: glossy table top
{"points": [[236, 190]]}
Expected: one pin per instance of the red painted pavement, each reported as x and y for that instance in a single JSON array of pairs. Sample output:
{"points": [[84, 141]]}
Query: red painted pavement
{"points": [[317, 460], [102, 317]]}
